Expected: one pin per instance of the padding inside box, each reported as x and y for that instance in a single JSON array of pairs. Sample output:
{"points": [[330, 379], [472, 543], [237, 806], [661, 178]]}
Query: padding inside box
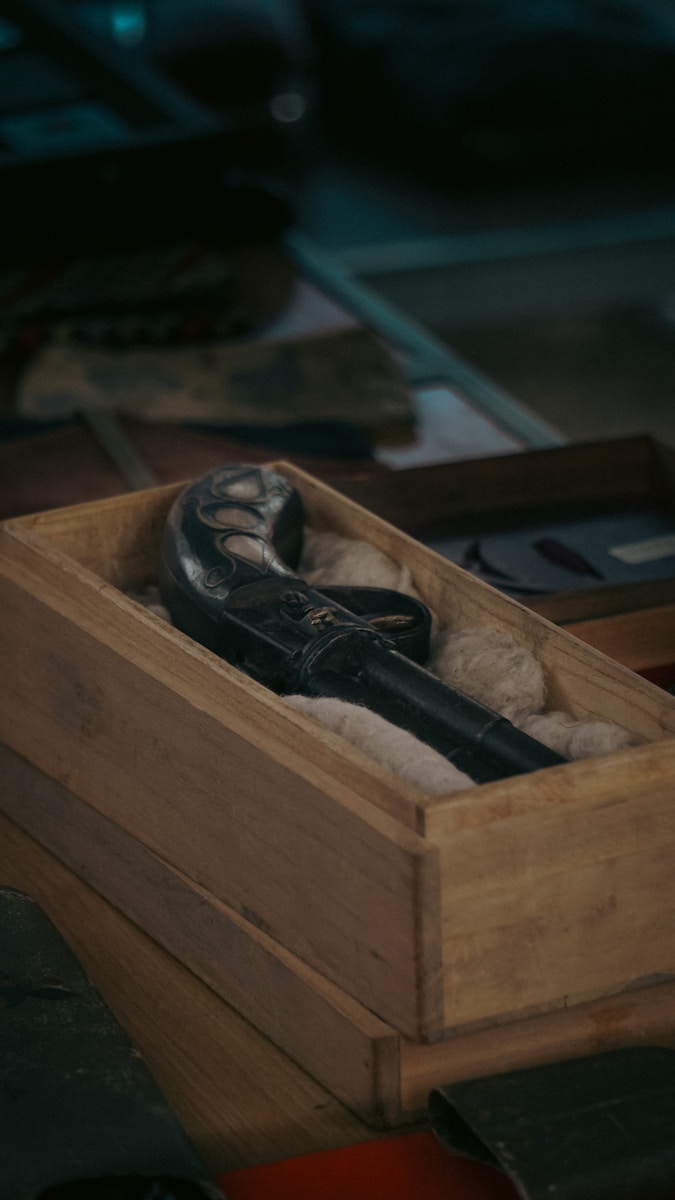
{"points": [[487, 664]]}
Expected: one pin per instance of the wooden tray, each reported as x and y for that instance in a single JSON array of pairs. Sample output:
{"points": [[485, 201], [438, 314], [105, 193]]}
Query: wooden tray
{"points": [[511, 492]]}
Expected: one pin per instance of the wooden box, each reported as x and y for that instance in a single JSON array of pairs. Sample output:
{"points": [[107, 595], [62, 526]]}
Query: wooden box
{"points": [[385, 938]]}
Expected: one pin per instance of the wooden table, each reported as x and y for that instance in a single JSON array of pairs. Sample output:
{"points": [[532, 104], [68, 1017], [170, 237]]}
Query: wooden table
{"points": [[241, 1099]]}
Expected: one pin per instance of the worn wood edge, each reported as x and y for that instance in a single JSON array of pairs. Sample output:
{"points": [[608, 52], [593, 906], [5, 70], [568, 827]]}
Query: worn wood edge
{"points": [[571, 790]]}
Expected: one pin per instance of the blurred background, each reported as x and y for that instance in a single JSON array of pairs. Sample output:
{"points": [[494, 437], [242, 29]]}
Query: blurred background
{"points": [[501, 171]]}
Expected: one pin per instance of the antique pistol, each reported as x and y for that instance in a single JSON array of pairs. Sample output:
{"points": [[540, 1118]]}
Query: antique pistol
{"points": [[227, 577]]}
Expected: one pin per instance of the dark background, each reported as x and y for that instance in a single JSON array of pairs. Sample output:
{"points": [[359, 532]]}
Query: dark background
{"points": [[503, 172]]}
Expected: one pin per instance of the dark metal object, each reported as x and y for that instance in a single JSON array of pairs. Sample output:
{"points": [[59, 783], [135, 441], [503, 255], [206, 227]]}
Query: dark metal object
{"points": [[596, 1128], [81, 1117], [225, 580]]}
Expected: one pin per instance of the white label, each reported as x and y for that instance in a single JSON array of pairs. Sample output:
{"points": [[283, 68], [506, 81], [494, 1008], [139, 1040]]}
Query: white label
{"points": [[648, 550]]}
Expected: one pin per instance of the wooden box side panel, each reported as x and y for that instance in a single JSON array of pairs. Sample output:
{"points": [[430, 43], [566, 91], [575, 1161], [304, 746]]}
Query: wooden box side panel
{"points": [[561, 903], [209, 771], [118, 538]]}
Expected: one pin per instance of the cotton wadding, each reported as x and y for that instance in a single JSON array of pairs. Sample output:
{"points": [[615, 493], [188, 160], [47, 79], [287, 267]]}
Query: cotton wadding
{"points": [[492, 668], [487, 664], [330, 558], [404, 754], [576, 739]]}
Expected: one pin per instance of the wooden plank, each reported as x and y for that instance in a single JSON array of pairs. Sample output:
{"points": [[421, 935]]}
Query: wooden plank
{"points": [[569, 793], [241, 1100], [338, 1041]]}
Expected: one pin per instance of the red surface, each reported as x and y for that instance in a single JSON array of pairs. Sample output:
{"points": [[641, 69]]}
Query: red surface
{"points": [[409, 1167]]}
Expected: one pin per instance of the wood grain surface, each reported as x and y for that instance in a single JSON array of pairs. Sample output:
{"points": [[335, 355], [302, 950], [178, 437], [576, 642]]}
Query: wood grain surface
{"points": [[240, 1099]]}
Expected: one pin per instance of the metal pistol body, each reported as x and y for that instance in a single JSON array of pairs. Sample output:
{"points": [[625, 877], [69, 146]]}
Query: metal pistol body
{"points": [[230, 546]]}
